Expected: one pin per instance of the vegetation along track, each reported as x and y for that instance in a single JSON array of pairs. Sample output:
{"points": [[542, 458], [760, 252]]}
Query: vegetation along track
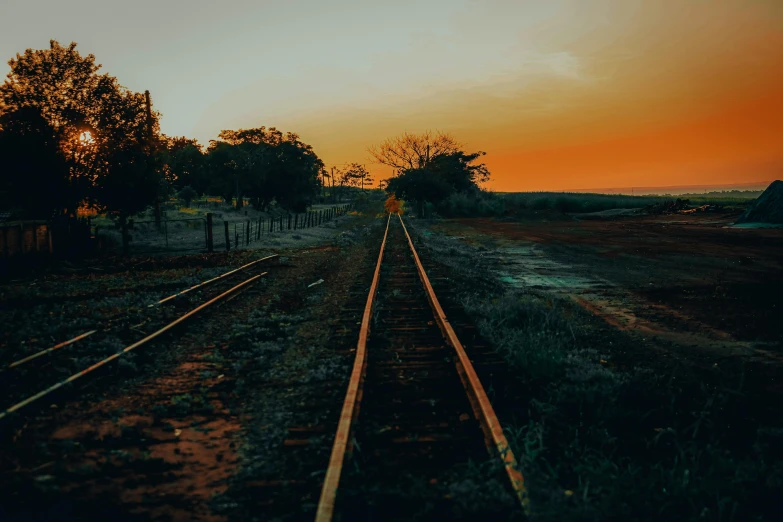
{"points": [[424, 412], [57, 367]]}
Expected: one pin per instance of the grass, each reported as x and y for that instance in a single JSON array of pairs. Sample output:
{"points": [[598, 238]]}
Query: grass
{"points": [[597, 442]]}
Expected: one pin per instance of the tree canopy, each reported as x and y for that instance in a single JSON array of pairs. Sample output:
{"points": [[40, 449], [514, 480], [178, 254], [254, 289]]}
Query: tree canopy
{"points": [[104, 134], [411, 151], [264, 165], [442, 176]]}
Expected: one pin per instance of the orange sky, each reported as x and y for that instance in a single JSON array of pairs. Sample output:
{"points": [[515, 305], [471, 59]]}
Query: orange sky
{"points": [[661, 95], [561, 94]]}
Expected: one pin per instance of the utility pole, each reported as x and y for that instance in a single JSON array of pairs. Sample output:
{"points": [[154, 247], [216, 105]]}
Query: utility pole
{"points": [[150, 136]]}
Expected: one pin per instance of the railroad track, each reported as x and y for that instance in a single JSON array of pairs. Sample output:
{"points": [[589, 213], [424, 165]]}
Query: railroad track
{"points": [[159, 319], [415, 413]]}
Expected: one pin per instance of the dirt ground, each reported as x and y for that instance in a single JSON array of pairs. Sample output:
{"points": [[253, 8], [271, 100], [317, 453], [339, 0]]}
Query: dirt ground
{"points": [[203, 424], [231, 419], [693, 286]]}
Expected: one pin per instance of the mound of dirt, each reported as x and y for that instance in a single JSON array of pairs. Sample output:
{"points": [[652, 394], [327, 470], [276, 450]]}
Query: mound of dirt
{"points": [[768, 208]]}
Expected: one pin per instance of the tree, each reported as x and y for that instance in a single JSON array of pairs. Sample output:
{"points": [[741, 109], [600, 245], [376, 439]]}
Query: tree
{"points": [[420, 186], [106, 135], [411, 151], [34, 172], [184, 164], [187, 194], [357, 176], [266, 164], [455, 172]]}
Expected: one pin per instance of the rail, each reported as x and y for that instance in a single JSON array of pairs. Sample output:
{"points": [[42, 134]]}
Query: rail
{"points": [[479, 402]]}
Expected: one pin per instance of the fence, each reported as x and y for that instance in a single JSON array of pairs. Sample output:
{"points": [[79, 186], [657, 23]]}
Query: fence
{"points": [[73, 237], [25, 237], [211, 233], [237, 234]]}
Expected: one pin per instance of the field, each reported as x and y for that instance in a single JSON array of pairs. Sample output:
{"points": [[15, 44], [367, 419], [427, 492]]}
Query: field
{"points": [[633, 362], [650, 348]]}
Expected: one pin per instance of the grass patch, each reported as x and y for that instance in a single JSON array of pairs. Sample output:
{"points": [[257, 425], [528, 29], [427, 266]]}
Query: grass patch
{"points": [[600, 442]]}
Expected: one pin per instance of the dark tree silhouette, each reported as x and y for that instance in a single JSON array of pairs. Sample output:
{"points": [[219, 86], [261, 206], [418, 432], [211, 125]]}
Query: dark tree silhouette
{"points": [[106, 137], [438, 179], [184, 164], [265, 164], [412, 151], [33, 172], [187, 194]]}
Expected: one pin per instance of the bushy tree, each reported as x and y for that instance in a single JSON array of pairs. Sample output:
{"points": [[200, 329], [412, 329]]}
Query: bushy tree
{"points": [[413, 151], [106, 136], [184, 164], [442, 176], [187, 194], [33, 172], [265, 165]]}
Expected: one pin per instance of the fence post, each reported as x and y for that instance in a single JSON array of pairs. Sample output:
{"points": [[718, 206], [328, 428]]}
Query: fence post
{"points": [[289, 221], [258, 229], [281, 222], [247, 233], [296, 221], [210, 244], [271, 224], [228, 239]]}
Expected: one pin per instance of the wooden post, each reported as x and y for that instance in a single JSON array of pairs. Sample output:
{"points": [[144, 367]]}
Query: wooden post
{"points": [[289, 221], [271, 224], [281, 222], [296, 221], [228, 239], [258, 229], [210, 245], [247, 233]]}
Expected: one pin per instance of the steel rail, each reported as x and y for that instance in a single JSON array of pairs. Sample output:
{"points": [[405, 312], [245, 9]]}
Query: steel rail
{"points": [[127, 349], [87, 334], [243, 267], [485, 412], [53, 348], [351, 404]]}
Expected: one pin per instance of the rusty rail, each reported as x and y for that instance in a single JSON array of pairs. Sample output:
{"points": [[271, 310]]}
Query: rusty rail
{"points": [[127, 349], [479, 402], [243, 267], [486, 414], [351, 403], [164, 300]]}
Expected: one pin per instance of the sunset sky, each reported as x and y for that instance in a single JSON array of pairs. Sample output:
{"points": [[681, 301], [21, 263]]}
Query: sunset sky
{"points": [[561, 94]]}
